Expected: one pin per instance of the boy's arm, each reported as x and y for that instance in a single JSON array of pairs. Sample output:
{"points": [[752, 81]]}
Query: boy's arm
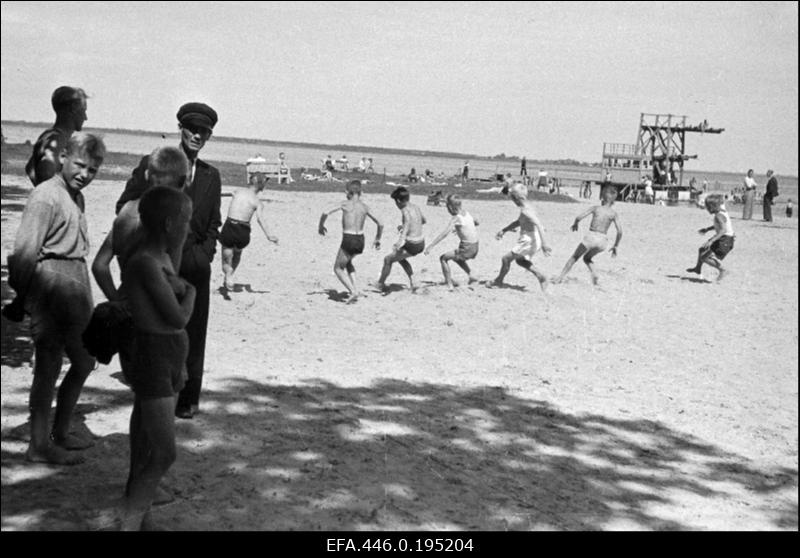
{"points": [[447, 230], [321, 229], [717, 236], [377, 243], [30, 238], [262, 221], [146, 274], [510, 227], [403, 230], [618, 226], [581, 217], [101, 268]]}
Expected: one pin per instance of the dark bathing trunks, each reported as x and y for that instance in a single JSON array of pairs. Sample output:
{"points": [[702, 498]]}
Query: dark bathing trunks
{"points": [[722, 246], [235, 234], [158, 367], [352, 244], [466, 251], [414, 248]]}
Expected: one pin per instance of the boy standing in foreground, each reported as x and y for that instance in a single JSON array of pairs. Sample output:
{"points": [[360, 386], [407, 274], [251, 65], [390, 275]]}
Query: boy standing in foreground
{"points": [[531, 238], [411, 241], [354, 213], [48, 271], [714, 250], [464, 226], [595, 240], [235, 234], [161, 304]]}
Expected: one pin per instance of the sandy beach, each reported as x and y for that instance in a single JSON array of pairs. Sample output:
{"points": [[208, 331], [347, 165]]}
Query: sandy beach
{"points": [[658, 400]]}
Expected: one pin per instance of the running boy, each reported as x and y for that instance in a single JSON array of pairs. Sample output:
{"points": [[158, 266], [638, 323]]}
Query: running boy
{"points": [[235, 234], [464, 226], [48, 271], [161, 304], [410, 243], [714, 250], [531, 238], [354, 213], [595, 240]]}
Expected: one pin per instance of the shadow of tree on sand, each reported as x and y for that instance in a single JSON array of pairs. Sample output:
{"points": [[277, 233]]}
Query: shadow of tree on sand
{"points": [[16, 345], [397, 456]]}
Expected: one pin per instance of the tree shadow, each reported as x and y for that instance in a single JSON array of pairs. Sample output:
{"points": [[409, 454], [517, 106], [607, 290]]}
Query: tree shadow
{"points": [[16, 344], [398, 455], [690, 279]]}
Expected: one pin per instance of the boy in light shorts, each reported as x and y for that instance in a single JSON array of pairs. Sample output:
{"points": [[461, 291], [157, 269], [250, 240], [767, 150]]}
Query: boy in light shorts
{"points": [[595, 240], [530, 241], [464, 225]]}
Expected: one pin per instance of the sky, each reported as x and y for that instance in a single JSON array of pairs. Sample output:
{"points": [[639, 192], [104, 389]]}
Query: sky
{"points": [[548, 80]]}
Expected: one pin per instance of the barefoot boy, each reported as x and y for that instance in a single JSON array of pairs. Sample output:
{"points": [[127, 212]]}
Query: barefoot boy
{"points": [[717, 247], [161, 304], [531, 238], [411, 241], [595, 240], [48, 271], [464, 226], [235, 234], [354, 213]]}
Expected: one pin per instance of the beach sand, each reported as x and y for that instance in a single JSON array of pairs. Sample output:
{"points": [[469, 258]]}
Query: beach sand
{"points": [[656, 401]]}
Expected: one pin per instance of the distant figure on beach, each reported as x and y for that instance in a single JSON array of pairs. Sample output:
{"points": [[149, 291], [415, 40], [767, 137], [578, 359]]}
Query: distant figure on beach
{"points": [[161, 305], [714, 250], [48, 271], [370, 169], [465, 227], [69, 104], [362, 165], [530, 241], [523, 167], [354, 213], [770, 195], [595, 240], [235, 233], [542, 180], [749, 195], [196, 123], [410, 242], [284, 172], [789, 208], [343, 163], [465, 172], [586, 190], [412, 176], [649, 194], [327, 165]]}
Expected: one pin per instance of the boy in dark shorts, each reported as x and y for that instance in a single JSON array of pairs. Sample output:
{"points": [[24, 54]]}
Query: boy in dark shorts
{"points": [[354, 213], [235, 234], [161, 304], [465, 226], [411, 241], [714, 250]]}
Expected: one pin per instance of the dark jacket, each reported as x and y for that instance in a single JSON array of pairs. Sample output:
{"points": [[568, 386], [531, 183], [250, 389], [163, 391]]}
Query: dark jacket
{"points": [[772, 187], [201, 242]]}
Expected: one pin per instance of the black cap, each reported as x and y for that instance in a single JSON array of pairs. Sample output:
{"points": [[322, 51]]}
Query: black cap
{"points": [[198, 114]]}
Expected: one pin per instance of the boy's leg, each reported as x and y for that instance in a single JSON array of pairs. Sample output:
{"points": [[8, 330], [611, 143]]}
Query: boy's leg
{"points": [[409, 271], [702, 255], [587, 259], [712, 260], [340, 270], [505, 266], [443, 259], [388, 261], [237, 258], [158, 427], [47, 366], [81, 365], [527, 264], [570, 262], [227, 266], [465, 266]]}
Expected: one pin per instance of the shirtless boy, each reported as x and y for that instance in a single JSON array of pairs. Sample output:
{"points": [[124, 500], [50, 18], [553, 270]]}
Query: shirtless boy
{"points": [[714, 250], [596, 240], [235, 234], [354, 213], [161, 304], [411, 241], [465, 226], [531, 238]]}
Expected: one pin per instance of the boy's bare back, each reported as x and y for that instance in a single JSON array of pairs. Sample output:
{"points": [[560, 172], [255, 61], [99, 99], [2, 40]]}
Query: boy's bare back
{"points": [[412, 215], [243, 205], [354, 213]]}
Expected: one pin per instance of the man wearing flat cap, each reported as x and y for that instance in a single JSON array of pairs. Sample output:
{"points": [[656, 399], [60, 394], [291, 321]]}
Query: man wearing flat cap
{"points": [[196, 122]]}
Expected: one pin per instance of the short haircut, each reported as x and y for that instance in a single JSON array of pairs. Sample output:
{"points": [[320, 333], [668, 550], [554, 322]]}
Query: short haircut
{"points": [[159, 204], [714, 201], [401, 194], [610, 189], [354, 187], [65, 97], [90, 145], [453, 200], [168, 161]]}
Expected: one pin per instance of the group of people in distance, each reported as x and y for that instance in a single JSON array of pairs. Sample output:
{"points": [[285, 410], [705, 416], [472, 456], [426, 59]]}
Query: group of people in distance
{"points": [[411, 239], [164, 239]]}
